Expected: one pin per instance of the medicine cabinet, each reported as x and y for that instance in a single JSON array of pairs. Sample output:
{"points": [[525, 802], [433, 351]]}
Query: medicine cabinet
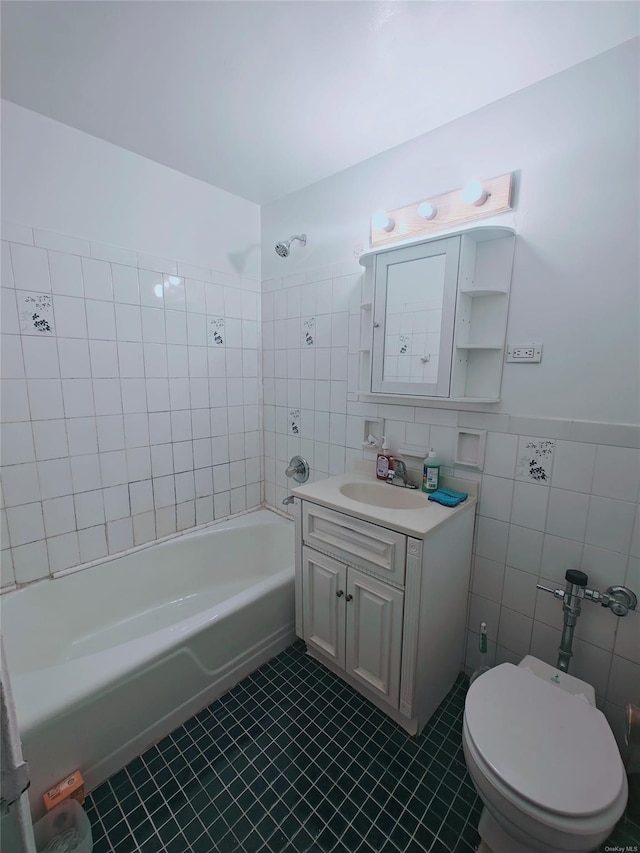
{"points": [[434, 316]]}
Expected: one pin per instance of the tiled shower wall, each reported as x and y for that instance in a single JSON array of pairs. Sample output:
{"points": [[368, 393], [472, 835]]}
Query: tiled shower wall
{"points": [[554, 494], [130, 400]]}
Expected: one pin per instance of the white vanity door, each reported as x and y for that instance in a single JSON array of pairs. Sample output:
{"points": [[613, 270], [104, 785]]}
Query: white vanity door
{"points": [[374, 635], [323, 604]]}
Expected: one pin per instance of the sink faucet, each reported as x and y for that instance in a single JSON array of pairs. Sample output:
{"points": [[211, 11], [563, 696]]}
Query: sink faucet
{"points": [[288, 500], [400, 473]]}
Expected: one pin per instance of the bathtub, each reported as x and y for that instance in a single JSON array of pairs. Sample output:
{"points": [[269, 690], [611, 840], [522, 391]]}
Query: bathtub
{"points": [[107, 660]]}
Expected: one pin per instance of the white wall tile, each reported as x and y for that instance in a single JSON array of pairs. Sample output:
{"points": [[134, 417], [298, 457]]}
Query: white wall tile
{"points": [[40, 358], [85, 473], [89, 509], [567, 514], [93, 543], [488, 578], [610, 524], [50, 439], [617, 473], [500, 454], [484, 610], [525, 550], [17, 444], [144, 528], [15, 400], [59, 515], [71, 319], [78, 398], [125, 284], [97, 279], [558, 555], [82, 436], [116, 502], [151, 289], [55, 478], [591, 664], [113, 467], [573, 466], [101, 321], [74, 358], [66, 275], [530, 505], [30, 268], [119, 535], [20, 484], [107, 397], [45, 399], [104, 359], [30, 562], [515, 631], [141, 497], [63, 551], [115, 254], [6, 273], [25, 524], [128, 322], [605, 568], [110, 432], [12, 360], [153, 325], [491, 539]]}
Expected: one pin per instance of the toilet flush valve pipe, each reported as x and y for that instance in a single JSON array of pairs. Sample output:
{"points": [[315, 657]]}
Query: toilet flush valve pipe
{"points": [[571, 606]]}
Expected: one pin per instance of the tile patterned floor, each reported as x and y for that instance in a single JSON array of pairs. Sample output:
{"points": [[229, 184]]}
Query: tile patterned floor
{"points": [[293, 760]]}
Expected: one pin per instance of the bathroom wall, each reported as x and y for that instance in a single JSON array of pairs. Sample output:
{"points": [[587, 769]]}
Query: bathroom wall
{"points": [[130, 332], [573, 142]]}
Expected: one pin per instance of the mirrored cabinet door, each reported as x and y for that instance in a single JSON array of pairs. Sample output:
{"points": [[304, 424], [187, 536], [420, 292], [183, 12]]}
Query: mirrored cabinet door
{"points": [[414, 309]]}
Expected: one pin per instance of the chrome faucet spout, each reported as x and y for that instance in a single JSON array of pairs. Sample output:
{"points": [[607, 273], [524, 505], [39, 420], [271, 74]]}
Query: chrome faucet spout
{"points": [[400, 472], [288, 500]]}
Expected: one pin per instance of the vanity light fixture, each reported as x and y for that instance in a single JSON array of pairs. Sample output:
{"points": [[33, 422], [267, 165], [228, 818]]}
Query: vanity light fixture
{"points": [[427, 210], [382, 220], [474, 193]]}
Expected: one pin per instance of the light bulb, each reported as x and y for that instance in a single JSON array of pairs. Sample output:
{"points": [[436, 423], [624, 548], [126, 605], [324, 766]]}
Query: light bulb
{"points": [[427, 211], [474, 193], [380, 219]]}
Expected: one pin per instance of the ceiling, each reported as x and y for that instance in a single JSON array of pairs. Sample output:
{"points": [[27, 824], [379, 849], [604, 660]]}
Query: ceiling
{"points": [[264, 97]]}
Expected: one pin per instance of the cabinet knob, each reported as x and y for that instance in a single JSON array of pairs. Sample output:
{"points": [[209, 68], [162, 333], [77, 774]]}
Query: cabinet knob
{"points": [[340, 592], [348, 597]]}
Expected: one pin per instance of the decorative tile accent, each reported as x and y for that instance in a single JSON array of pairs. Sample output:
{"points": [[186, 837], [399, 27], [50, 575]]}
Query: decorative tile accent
{"points": [[535, 459], [35, 312], [294, 422], [404, 344], [308, 331], [215, 331]]}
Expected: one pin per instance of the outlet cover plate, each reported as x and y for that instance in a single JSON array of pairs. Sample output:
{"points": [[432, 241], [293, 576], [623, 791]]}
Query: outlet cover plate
{"points": [[524, 353]]}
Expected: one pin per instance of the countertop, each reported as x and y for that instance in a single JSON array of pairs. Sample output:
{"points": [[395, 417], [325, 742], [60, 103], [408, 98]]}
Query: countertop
{"points": [[413, 522]]}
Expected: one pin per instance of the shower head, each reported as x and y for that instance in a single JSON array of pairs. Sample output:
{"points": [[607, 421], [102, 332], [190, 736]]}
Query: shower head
{"points": [[282, 249]]}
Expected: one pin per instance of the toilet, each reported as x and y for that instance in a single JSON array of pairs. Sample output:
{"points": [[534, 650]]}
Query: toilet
{"points": [[543, 760]]}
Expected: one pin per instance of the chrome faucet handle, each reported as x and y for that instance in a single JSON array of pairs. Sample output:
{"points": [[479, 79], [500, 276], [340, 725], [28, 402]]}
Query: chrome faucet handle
{"points": [[298, 469]]}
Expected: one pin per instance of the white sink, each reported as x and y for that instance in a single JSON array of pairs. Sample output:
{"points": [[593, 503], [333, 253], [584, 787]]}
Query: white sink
{"points": [[385, 495]]}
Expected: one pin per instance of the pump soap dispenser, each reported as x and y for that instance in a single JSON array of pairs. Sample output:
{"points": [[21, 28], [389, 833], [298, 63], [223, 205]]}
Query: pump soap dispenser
{"points": [[384, 462]]}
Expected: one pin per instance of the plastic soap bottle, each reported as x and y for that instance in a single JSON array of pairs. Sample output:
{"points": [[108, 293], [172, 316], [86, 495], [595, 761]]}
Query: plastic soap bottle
{"points": [[430, 472], [383, 462]]}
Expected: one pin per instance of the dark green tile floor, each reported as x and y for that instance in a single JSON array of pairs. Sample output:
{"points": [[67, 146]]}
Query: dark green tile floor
{"points": [[293, 760]]}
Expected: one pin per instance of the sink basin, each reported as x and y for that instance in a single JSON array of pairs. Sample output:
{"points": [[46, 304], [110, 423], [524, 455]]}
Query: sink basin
{"points": [[385, 495]]}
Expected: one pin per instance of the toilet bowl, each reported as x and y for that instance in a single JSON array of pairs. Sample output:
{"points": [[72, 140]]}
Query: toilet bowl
{"points": [[543, 760]]}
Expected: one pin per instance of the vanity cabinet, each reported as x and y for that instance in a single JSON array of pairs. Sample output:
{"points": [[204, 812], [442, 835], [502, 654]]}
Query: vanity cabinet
{"points": [[382, 609], [355, 620]]}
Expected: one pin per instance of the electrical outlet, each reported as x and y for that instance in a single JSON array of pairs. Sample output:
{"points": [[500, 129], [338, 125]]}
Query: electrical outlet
{"points": [[524, 353]]}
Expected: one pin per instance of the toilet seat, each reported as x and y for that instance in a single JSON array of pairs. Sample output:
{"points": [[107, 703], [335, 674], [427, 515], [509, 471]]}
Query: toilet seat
{"points": [[547, 748]]}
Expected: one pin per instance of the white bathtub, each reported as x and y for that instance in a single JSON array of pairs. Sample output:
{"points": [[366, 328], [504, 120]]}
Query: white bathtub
{"points": [[107, 660]]}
